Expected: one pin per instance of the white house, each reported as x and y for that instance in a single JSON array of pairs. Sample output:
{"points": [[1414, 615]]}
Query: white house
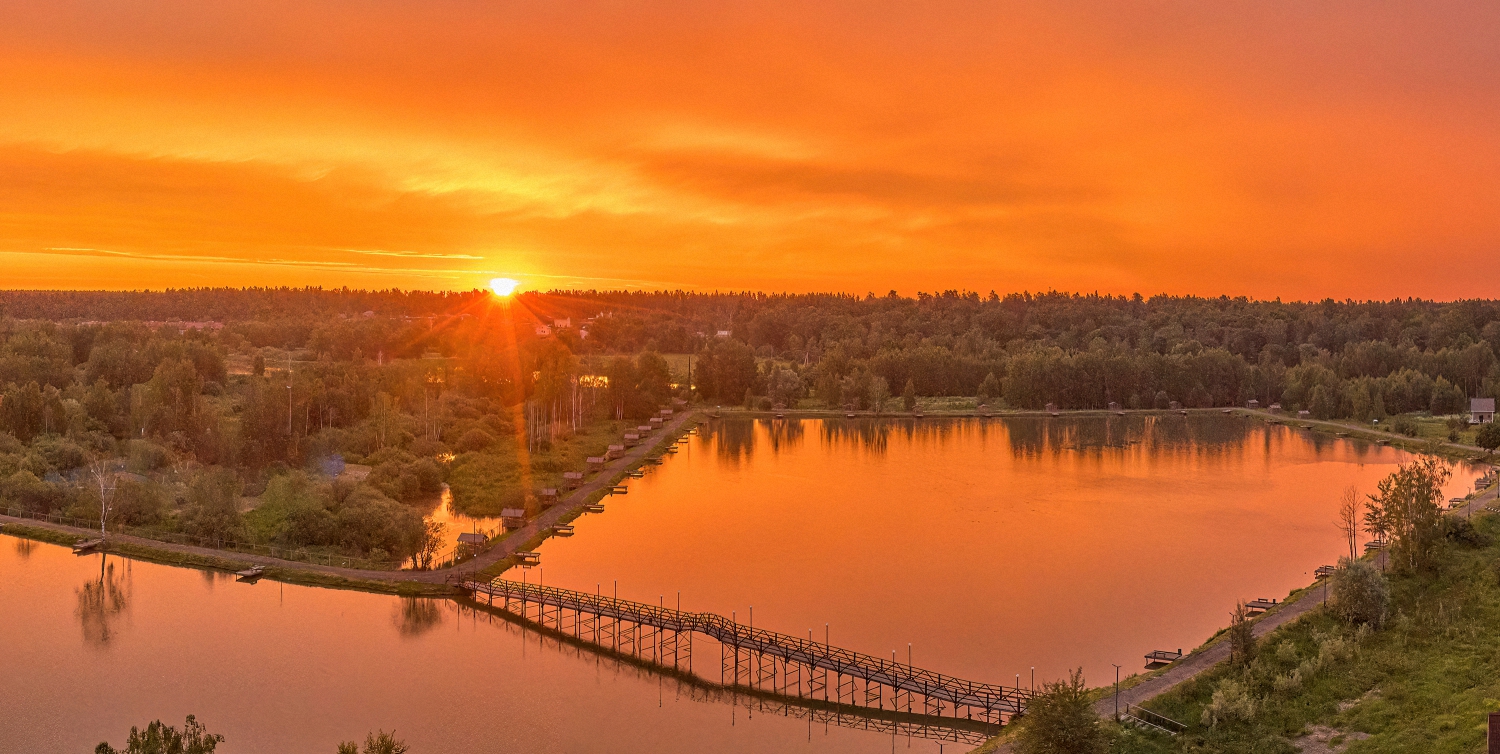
{"points": [[1481, 410]]}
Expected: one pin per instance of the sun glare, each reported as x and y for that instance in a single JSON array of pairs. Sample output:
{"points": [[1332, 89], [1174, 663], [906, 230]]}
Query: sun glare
{"points": [[504, 286]]}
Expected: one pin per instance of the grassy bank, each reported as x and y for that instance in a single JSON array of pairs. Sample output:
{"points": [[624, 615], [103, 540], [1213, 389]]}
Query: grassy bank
{"points": [[660, 443], [1424, 681], [214, 563]]}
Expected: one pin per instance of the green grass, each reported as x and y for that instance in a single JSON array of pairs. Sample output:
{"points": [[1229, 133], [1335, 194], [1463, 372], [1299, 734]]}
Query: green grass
{"points": [[1423, 682], [485, 482], [212, 563]]}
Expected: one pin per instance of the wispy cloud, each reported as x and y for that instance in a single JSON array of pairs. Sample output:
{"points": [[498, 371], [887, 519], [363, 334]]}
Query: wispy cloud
{"points": [[411, 254]]}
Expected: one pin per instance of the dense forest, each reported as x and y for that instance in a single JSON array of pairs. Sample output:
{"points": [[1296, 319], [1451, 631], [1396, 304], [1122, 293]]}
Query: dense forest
{"points": [[230, 411]]}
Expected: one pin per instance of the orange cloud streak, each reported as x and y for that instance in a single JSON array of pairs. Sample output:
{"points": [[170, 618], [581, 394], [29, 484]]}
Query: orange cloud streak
{"points": [[1268, 149]]}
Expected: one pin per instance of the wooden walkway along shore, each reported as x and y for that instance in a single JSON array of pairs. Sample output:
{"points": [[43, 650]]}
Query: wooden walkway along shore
{"points": [[750, 656]]}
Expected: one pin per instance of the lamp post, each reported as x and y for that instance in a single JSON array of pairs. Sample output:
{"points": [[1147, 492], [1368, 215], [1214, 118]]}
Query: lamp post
{"points": [[1117, 692]]}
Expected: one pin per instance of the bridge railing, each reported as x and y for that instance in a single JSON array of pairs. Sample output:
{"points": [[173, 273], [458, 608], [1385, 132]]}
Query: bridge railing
{"points": [[809, 652]]}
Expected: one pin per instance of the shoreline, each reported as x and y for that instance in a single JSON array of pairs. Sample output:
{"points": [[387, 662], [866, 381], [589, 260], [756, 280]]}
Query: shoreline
{"points": [[499, 557]]}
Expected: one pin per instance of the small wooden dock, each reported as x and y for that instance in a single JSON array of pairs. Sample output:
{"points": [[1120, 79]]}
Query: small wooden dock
{"points": [[562, 530], [251, 574], [1324, 571], [1162, 657], [86, 545], [594, 508], [1256, 607]]}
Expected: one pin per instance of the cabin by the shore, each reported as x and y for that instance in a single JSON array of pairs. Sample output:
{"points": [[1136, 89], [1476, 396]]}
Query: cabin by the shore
{"points": [[1481, 410]]}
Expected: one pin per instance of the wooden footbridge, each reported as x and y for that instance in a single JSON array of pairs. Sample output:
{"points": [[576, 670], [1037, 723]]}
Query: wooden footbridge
{"points": [[754, 657]]}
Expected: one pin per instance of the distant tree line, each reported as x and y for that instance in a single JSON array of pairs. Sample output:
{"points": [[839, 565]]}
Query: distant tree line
{"points": [[427, 388]]}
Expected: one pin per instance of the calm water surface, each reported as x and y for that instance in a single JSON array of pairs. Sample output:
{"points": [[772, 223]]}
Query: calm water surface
{"points": [[991, 547]]}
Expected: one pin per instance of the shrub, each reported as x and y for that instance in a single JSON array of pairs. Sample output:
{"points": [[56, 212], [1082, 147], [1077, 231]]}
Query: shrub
{"points": [[159, 738], [1060, 720], [1461, 530], [1488, 436], [474, 440], [212, 510], [382, 743], [1241, 636], [1231, 703], [1358, 592], [60, 454], [1404, 425]]}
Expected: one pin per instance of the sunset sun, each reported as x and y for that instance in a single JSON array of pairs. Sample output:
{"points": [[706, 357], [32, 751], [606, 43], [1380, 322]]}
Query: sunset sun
{"points": [[504, 286]]}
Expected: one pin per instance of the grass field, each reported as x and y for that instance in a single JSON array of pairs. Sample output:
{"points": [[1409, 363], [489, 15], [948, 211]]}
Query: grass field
{"points": [[485, 482]]}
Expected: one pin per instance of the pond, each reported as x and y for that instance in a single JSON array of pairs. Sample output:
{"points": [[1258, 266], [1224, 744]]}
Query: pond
{"points": [[991, 547]]}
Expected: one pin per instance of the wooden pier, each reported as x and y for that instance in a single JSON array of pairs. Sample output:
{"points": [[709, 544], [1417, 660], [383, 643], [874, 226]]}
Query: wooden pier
{"points": [[1256, 607], [1162, 657], [754, 656]]}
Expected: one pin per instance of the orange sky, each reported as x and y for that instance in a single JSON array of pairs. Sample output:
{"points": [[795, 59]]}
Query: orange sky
{"points": [[1287, 149]]}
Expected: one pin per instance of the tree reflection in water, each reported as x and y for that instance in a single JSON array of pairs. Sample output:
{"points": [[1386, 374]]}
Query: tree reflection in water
{"points": [[102, 602], [415, 616], [24, 548]]}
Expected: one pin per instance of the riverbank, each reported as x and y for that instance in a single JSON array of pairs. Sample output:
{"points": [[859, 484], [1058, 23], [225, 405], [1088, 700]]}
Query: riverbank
{"points": [[1182, 689], [499, 556]]}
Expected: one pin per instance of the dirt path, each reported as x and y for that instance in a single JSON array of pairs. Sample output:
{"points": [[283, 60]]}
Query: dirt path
{"points": [[506, 547]]}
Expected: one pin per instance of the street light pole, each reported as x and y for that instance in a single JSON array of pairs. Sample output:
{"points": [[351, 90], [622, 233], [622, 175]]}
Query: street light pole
{"points": [[1117, 692]]}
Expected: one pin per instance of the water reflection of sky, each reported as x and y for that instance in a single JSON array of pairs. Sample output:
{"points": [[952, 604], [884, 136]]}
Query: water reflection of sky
{"points": [[95, 644], [456, 523], [991, 545]]}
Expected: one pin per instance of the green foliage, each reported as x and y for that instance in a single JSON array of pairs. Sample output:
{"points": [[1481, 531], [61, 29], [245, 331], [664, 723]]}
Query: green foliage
{"points": [[403, 476], [212, 509], [989, 388], [375, 743], [1405, 425], [1407, 508], [909, 396], [783, 387], [725, 370], [1358, 593], [1241, 636], [1423, 681], [1061, 720], [1231, 703], [296, 511], [137, 503], [1488, 436], [159, 738]]}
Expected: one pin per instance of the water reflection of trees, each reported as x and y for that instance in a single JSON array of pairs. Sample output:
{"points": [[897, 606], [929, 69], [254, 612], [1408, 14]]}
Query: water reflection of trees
{"points": [[24, 548], [733, 441], [1030, 436], [102, 603], [783, 434], [869, 435], [1199, 434], [415, 616]]}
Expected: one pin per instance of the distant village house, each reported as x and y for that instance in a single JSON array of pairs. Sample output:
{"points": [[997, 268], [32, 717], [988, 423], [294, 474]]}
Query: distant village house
{"points": [[1481, 410]]}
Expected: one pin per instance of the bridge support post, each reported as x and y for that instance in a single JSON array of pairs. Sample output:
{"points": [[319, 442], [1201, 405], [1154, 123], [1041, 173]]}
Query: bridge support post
{"points": [[817, 681]]}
